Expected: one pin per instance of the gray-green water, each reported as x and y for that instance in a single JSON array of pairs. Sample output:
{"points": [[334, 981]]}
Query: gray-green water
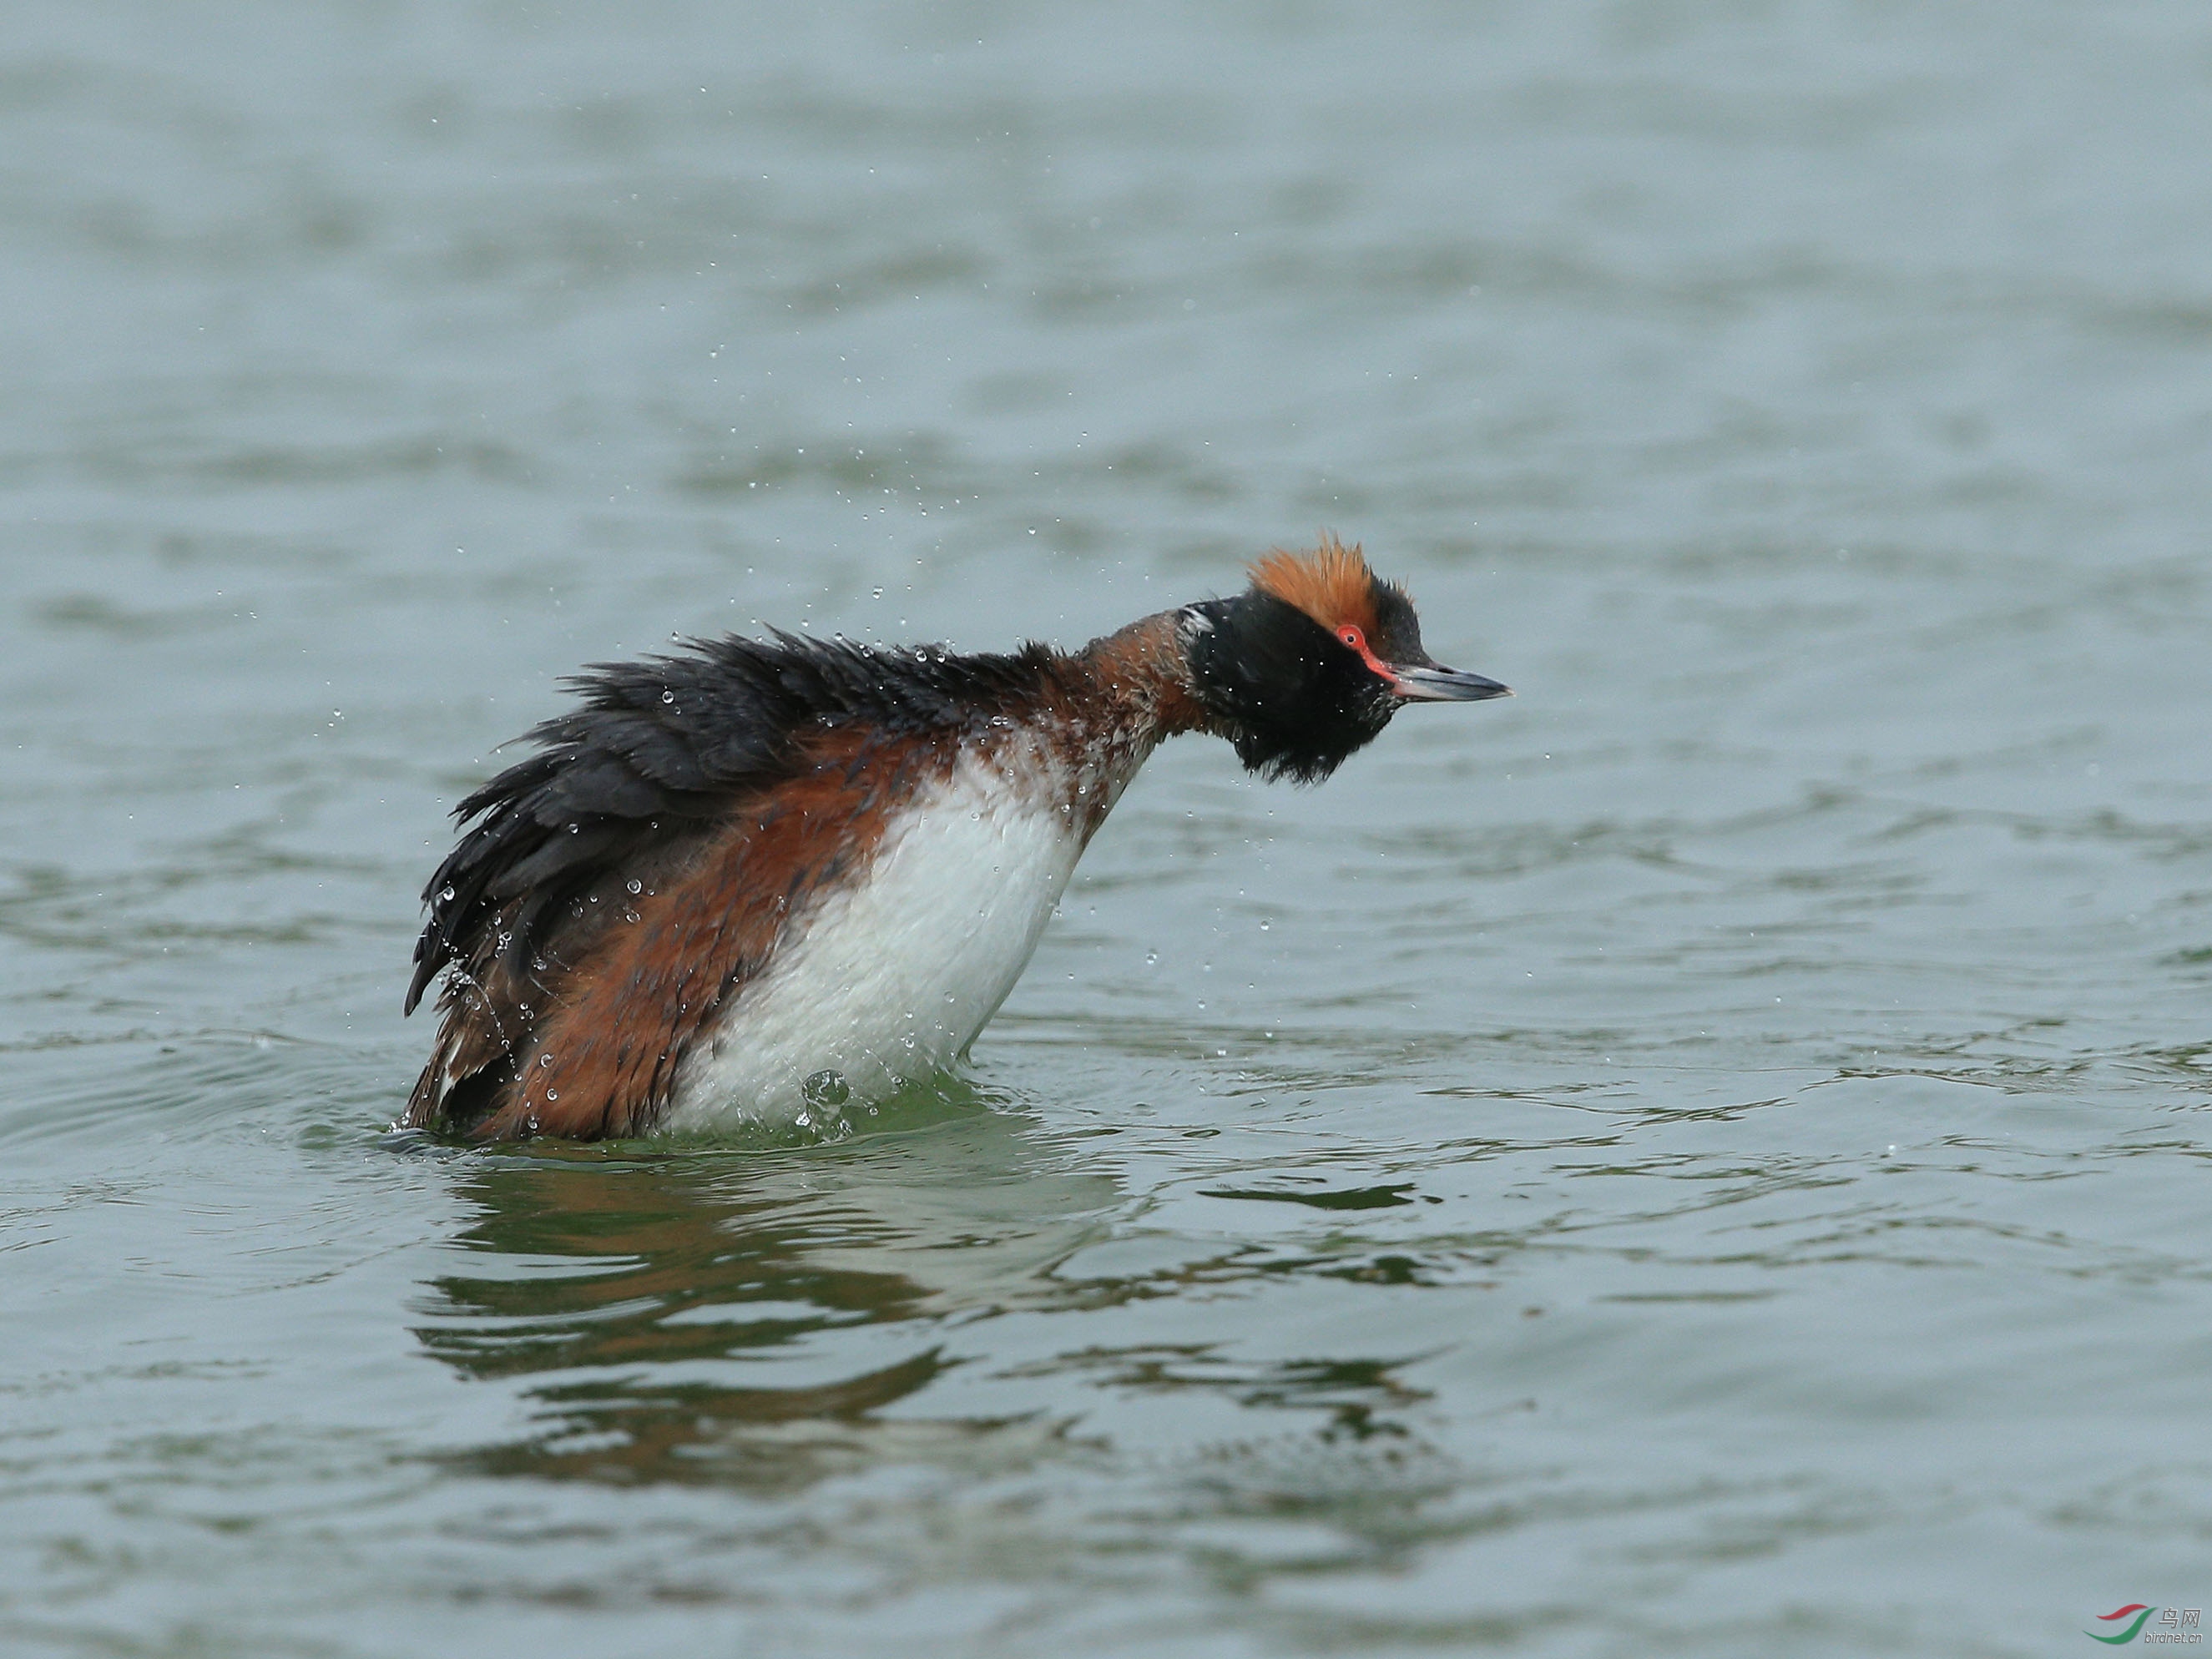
{"points": [[1708, 1158]]}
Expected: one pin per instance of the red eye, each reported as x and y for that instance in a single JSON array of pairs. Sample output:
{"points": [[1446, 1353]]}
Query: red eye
{"points": [[1351, 635]]}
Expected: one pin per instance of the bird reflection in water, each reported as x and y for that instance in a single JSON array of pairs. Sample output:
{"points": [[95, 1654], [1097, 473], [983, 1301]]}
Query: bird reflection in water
{"points": [[710, 1315]]}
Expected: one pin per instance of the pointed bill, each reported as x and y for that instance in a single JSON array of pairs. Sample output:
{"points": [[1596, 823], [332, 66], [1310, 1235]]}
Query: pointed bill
{"points": [[1431, 683]]}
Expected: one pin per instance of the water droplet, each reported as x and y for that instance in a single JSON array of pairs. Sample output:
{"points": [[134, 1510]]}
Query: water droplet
{"points": [[552, 1094], [637, 886], [1152, 958], [575, 829], [826, 1088], [446, 896], [805, 1122], [668, 697]]}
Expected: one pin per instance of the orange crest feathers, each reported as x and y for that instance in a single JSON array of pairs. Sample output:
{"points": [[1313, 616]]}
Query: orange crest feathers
{"points": [[1332, 584]]}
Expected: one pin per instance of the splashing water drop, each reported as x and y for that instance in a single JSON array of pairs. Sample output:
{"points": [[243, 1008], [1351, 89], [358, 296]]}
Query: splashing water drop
{"points": [[826, 1088]]}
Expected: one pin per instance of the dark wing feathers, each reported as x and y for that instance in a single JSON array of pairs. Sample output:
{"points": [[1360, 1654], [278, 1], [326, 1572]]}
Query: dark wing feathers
{"points": [[656, 751]]}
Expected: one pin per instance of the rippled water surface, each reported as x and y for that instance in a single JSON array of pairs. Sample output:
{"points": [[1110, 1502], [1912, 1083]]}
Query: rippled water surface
{"points": [[1707, 1158]]}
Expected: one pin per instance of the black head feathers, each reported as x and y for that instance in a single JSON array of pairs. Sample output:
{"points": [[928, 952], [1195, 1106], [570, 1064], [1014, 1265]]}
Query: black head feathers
{"points": [[1293, 700], [1309, 663]]}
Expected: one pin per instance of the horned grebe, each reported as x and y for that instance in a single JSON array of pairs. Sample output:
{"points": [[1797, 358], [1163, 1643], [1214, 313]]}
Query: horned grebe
{"points": [[735, 870]]}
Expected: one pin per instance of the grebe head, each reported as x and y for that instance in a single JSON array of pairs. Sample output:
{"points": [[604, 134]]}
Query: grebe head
{"points": [[1309, 663]]}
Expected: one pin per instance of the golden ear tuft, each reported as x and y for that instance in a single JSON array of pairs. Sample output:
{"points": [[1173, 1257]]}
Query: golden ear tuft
{"points": [[1332, 584]]}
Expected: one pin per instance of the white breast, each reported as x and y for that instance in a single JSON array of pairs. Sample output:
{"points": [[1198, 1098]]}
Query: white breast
{"points": [[888, 981]]}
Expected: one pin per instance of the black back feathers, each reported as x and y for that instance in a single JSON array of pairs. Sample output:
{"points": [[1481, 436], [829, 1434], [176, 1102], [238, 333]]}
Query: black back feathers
{"points": [[657, 754]]}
